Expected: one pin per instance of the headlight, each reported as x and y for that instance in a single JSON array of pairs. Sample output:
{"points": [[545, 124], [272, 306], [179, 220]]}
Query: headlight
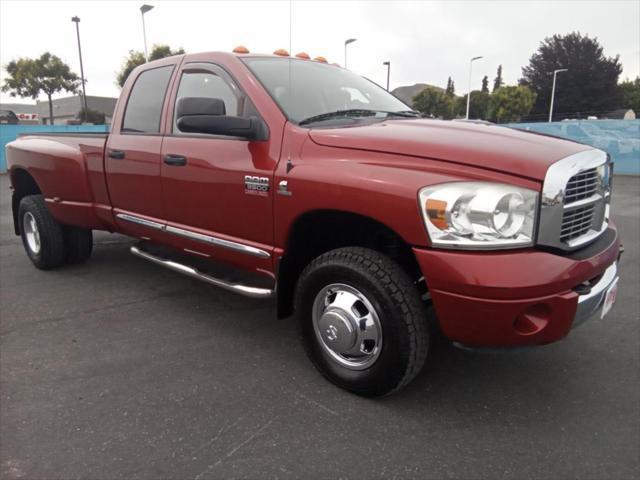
{"points": [[479, 215]]}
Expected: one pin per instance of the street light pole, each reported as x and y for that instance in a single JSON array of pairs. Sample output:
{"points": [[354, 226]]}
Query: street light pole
{"points": [[144, 9], [388, 64], [76, 20], [553, 90], [347, 42], [469, 92]]}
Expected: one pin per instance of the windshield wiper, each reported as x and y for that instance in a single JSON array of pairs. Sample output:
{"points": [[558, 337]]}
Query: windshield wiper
{"points": [[357, 112]]}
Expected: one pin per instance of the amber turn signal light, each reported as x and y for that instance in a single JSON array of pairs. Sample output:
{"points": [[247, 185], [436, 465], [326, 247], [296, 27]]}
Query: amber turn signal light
{"points": [[436, 212]]}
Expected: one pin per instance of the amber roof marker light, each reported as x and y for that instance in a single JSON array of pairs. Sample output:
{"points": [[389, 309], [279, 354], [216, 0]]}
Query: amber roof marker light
{"points": [[303, 55], [320, 59], [240, 49], [347, 42], [281, 52]]}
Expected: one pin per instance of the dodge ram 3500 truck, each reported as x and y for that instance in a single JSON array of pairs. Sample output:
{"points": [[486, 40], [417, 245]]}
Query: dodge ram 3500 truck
{"points": [[376, 228]]}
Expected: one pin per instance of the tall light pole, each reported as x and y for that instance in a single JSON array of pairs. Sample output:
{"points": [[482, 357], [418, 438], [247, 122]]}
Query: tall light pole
{"points": [[388, 64], [76, 20], [553, 90], [144, 9], [347, 42], [469, 94]]}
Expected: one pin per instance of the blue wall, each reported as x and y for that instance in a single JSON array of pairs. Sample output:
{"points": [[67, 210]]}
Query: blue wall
{"points": [[619, 138], [9, 133]]}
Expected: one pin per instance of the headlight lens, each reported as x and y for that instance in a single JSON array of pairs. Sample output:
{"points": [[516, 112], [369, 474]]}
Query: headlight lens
{"points": [[479, 215]]}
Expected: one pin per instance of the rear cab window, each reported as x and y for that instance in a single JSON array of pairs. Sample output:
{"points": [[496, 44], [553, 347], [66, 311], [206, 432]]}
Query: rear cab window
{"points": [[144, 107]]}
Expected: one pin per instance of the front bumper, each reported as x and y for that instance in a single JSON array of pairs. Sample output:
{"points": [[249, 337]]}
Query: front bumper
{"points": [[591, 302], [518, 298]]}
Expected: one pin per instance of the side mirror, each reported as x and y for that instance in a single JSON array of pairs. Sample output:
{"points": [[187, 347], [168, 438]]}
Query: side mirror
{"points": [[208, 115]]}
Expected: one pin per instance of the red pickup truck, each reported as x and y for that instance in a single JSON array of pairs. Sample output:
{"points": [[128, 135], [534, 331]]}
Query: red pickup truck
{"points": [[377, 228]]}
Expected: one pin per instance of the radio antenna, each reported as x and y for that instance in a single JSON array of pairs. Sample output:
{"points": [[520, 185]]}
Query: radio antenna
{"points": [[289, 163]]}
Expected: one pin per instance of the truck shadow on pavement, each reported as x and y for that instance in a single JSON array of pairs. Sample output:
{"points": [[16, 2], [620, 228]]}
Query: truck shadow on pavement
{"points": [[454, 381]]}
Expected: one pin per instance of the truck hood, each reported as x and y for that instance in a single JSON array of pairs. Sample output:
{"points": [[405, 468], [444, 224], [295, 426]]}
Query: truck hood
{"points": [[485, 146]]}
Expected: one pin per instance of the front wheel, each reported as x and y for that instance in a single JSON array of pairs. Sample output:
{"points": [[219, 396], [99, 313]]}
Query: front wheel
{"points": [[362, 321]]}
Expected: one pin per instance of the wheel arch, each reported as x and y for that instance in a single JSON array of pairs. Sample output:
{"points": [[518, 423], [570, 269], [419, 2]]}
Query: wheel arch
{"points": [[316, 232], [24, 184]]}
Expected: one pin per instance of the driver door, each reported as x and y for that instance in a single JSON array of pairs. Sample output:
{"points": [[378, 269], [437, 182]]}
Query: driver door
{"points": [[207, 204]]}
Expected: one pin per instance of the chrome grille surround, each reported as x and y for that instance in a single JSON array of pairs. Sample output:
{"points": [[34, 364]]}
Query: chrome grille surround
{"points": [[574, 209]]}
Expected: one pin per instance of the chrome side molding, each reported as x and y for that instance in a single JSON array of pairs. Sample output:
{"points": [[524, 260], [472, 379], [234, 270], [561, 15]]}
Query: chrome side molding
{"points": [[199, 237], [219, 242], [247, 291], [140, 221]]}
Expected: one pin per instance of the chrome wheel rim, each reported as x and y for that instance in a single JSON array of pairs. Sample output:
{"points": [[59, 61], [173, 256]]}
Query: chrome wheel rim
{"points": [[347, 326], [31, 233]]}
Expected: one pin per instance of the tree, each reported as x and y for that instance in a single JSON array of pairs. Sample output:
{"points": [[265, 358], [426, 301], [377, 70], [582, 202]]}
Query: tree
{"points": [[91, 116], [48, 74], [434, 101], [498, 82], [508, 104], [485, 84], [478, 106], [136, 58], [630, 93], [589, 85], [451, 88]]}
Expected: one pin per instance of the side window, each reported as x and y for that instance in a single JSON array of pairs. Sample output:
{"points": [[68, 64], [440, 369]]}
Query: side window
{"points": [[144, 107], [209, 85]]}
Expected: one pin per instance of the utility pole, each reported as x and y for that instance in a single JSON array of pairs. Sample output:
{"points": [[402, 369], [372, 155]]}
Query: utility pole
{"points": [[388, 64], [347, 42], [469, 92], [76, 20], [553, 91], [144, 9]]}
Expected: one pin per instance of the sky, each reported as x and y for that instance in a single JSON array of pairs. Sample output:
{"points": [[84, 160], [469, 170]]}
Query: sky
{"points": [[425, 41]]}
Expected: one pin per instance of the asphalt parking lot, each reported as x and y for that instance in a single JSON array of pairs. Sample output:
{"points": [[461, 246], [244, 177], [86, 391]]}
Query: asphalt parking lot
{"points": [[121, 369]]}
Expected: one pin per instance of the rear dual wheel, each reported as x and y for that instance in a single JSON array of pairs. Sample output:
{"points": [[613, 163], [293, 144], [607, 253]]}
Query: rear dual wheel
{"points": [[48, 243], [362, 321]]}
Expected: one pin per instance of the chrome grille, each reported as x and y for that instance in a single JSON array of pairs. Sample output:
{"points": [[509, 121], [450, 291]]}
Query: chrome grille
{"points": [[574, 208], [576, 222], [582, 185]]}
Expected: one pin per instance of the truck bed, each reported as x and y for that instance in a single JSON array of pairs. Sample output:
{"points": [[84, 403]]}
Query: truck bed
{"points": [[69, 171]]}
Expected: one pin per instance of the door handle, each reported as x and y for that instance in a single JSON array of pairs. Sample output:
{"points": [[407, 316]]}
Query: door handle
{"points": [[117, 154], [175, 160]]}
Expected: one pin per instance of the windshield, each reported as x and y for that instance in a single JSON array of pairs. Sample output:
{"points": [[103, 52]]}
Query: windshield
{"points": [[317, 88]]}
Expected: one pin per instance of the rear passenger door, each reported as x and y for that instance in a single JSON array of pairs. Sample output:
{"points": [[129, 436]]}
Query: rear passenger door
{"points": [[132, 158]]}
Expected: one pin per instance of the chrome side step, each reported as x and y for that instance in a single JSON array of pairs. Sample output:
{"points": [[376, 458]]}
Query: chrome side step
{"points": [[253, 292]]}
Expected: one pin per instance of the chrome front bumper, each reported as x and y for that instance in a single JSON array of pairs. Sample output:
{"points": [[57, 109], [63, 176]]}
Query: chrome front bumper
{"points": [[590, 304]]}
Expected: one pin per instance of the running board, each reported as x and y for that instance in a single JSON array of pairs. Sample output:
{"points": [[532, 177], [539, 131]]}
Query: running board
{"points": [[253, 292]]}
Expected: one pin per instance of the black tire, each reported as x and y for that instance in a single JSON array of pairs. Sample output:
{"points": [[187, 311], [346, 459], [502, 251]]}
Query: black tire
{"points": [[78, 245], [50, 253], [396, 299]]}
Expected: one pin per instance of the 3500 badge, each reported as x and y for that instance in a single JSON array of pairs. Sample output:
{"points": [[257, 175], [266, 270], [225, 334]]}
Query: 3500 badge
{"points": [[256, 185]]}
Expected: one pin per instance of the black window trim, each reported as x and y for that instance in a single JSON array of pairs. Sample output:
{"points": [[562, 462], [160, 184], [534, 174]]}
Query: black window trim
{"points": [[214, 69], [212, 66]]}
